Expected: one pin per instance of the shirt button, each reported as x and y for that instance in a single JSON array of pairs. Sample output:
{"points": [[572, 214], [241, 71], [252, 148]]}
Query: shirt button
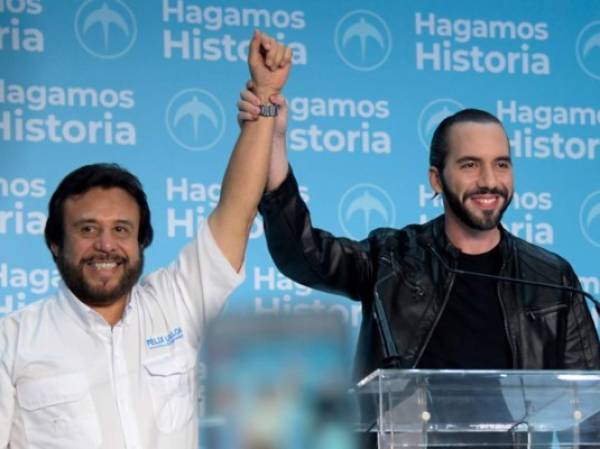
{"points": [[60, 427]]}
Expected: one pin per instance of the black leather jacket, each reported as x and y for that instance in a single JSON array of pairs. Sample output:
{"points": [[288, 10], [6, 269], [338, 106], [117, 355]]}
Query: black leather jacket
{"points": [[546, 328]]}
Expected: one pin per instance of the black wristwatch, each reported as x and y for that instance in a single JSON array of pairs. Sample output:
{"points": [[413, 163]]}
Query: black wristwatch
{"points": [[269, 110]]}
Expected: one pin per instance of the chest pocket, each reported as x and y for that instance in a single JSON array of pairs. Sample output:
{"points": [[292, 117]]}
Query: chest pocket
{"points": [[547, 321], [59, 412], [171, 382]]}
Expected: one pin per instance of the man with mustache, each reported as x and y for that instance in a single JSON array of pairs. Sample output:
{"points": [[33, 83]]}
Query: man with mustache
{"points": [[110, 362], [439, 320]]}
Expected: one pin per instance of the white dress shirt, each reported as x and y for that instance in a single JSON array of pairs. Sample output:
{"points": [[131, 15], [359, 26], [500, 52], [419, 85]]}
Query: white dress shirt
{"points": [[68, 380]]}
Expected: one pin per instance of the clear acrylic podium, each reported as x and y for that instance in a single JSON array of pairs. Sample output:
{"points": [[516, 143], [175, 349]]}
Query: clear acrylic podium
{"points": [[501, 409]]}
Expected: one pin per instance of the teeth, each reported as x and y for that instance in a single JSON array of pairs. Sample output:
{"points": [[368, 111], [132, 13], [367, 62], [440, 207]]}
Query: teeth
{"points": [[105, 265], [485, 200]]}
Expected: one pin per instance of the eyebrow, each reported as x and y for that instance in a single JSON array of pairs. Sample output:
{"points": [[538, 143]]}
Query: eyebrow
{"points": [[478, 159], [124, 222], [468, 158], [83, 221]]}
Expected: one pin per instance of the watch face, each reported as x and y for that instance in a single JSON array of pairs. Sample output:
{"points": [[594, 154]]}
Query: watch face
{"points": [[269, 110]]}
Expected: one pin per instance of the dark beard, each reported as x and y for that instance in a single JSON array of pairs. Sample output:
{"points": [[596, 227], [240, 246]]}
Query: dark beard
{"points": [[481, 224], [74, 279]]}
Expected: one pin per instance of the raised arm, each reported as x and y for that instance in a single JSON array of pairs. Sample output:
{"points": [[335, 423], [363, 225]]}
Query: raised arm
{"points": [[305, 254], [249, 106], [245, 178]]}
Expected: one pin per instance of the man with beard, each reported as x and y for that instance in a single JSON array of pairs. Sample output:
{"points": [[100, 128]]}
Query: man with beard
{"points": [[439, 320], [109, 362]]}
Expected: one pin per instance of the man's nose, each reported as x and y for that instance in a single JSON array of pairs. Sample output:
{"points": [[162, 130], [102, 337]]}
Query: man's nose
{"points": [[104, 242], [487, 177]]}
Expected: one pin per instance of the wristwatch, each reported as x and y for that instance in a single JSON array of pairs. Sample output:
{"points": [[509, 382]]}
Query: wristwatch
{"points": [[269, 110]]}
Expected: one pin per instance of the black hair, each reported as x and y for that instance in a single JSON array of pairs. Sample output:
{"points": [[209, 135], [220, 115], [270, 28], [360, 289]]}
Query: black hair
{"points": [[439, 141], [85, 178]]}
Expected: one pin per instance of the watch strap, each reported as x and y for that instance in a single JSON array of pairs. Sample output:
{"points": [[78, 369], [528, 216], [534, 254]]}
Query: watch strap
{"points": [[269, 110]]}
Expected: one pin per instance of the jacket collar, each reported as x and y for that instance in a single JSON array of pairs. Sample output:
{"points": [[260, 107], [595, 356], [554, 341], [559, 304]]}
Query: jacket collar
{"points": [[443, 244]]}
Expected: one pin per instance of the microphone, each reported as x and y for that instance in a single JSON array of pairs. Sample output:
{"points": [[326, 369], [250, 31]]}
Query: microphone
{"points": [[566, 288], [391, 356], [527, 402]]}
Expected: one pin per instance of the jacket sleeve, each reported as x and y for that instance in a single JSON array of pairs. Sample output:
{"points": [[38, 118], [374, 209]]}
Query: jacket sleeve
{"points": [[582, 347], [311, 256]]}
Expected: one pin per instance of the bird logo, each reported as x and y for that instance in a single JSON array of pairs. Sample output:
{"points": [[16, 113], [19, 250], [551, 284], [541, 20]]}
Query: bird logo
{"points": [[106, 29], [364, 207], [432, 115], [589, 218], [363, 40], [587, 49], [195, 119]]}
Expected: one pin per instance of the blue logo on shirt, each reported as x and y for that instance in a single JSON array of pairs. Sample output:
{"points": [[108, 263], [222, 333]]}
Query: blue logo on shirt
{"points": [[164, 340]]}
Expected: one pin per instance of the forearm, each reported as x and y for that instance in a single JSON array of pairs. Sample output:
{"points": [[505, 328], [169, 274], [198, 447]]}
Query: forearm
{"points": [[278, 168], [246, 176], [242, 187]]}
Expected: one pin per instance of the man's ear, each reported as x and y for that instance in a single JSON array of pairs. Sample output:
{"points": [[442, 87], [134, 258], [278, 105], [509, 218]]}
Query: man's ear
{"points": [[435, 179], [55, 249]]}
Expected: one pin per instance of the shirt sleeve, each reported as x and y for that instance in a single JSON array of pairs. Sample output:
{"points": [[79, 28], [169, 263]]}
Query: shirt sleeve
{"points": [[7, 389], [196, 286]]}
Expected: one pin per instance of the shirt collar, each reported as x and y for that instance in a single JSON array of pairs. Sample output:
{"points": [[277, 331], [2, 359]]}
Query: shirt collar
{"points": [[86, 315]]}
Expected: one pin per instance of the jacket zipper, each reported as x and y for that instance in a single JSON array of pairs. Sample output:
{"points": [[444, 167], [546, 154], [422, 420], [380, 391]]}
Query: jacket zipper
{"points": [[511, 345], [437, 319], [534, 313]]}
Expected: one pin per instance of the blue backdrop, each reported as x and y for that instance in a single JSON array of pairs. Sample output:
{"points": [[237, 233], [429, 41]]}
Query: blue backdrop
{"points": [[152, 85]]}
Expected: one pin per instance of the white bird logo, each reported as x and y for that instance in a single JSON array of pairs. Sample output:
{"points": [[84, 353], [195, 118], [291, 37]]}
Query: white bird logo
{"points": [[366, 203], [591, 43], [363, 31], [105, 17], [195, 109]]}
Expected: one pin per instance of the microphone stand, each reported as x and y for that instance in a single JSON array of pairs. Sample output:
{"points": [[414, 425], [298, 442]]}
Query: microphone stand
{"points": [[391, 356], [566, 288]]}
